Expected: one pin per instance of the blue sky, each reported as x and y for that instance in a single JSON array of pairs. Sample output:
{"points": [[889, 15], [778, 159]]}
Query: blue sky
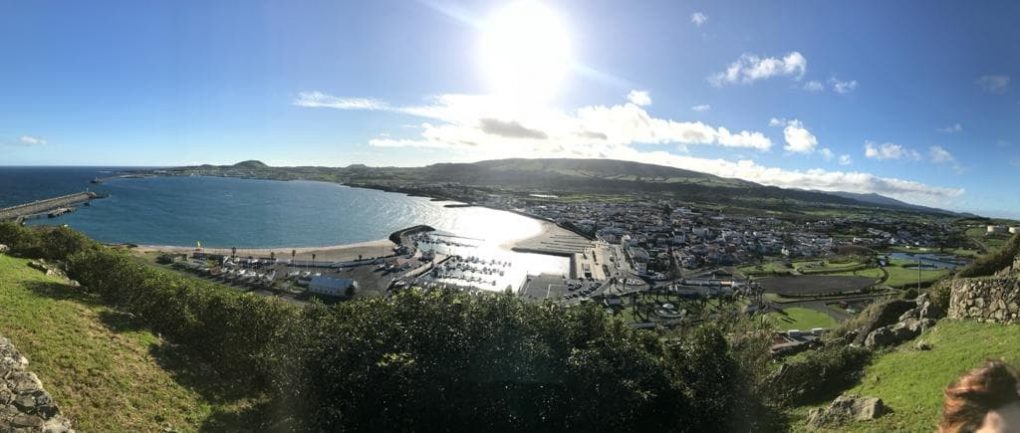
{"points": [[917, 100]]}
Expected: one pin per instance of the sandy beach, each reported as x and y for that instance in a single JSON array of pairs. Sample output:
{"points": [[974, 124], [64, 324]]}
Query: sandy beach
{"points": [[336, 253], [552, 239]]}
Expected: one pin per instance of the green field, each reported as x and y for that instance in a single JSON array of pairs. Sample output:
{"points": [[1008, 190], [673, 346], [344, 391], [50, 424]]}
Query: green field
{"points": [[765, 268], [105, 375], [801, 318], [902, 276], [828, 266], [910, 381], [875, 273]]}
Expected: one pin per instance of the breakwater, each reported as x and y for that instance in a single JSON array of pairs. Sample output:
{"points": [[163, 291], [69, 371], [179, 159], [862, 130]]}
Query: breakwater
{"points": [[63, 203]]}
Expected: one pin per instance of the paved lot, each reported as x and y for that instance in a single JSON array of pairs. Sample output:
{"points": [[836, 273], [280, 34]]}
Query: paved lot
{"points": [[545, 286]]}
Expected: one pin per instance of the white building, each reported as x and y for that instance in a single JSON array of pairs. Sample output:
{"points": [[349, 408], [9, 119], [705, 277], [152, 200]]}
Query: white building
{"points": [[996, 229], [330, 286]]}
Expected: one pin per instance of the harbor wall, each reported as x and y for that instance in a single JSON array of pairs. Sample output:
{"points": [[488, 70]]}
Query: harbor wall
{"points": [[44, 206]]}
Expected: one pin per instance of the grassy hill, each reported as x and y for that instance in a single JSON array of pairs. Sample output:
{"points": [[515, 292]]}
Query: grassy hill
{"points": [[911, 381], [105, 375]]}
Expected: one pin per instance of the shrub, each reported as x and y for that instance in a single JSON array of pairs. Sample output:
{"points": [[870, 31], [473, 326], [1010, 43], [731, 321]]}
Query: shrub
{"points": [[994, 261], [820, 375], [433, 360], [940, 293]]}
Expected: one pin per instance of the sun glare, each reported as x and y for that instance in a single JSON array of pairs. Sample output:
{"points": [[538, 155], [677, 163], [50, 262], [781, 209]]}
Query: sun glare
{"points": [[525, 52]]}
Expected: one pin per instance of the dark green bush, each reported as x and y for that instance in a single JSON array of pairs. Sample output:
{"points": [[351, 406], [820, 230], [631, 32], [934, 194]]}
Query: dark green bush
{"points": [[940, 293], [820, 375], [437, 361], [994, 261]]}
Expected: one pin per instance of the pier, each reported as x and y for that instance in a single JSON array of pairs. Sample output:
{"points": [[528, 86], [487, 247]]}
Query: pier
{"points": [[52, 206]]}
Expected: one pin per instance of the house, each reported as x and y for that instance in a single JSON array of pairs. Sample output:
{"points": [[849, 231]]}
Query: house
{"points": [[330, 286]]}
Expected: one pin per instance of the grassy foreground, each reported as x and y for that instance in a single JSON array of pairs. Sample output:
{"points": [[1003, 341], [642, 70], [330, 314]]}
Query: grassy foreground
{"points": [[911, 381], [105, 375]]}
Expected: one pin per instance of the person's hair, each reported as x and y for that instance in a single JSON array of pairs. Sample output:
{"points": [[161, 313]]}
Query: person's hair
{"points": [[974, 394]]}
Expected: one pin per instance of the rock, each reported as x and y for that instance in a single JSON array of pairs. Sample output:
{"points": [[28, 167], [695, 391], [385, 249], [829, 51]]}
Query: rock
{"points": [[25, 407], [24, 382], [847, 408], [930, 311], [23, 420], [887, 314], [57, 426], [912, 326], [25, 402], [922, 345], [893, 334], [909, 314]]}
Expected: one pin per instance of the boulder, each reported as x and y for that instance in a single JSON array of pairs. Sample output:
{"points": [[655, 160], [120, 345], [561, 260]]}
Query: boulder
{"points": [[887, 314], [930, 311], [909, 314], [894, 334], [846, 408]]}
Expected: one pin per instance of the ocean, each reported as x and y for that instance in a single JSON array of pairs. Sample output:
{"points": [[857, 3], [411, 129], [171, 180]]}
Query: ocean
{"points": [[250, 213], [246, 213]]}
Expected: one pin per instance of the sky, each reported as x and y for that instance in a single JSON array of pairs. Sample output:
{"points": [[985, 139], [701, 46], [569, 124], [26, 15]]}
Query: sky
{"points": [[916, 100]]}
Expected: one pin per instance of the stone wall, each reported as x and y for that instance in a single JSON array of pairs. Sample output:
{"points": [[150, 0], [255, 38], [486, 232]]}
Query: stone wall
{"points": [[25, 407], [986, 299]]}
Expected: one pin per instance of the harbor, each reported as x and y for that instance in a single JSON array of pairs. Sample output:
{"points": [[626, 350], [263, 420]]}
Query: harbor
{"points": [[51, 207]]}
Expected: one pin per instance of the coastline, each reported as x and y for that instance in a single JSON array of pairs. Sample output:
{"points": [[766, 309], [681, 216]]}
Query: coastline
{"points": [[553, 239], [332, 253]]}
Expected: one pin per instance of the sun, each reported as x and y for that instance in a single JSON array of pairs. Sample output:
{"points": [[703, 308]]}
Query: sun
{"points": [[525, 52]]}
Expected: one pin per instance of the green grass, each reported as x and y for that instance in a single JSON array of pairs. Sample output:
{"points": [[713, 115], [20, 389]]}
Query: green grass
{"points": [[765, 268], [900, 276], [801, 318], [911, 381], [105, 375], [875, 273]]}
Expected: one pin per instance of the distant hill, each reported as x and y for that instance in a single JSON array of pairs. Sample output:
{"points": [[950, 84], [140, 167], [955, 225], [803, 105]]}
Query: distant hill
{"points": [[251, 164], [884, 201], [568, 175]]}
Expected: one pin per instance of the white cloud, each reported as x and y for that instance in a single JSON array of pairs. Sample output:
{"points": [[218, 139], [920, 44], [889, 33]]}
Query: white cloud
{"points": [[814, 86], [843, 87], [699, 18], [750, 68], [457, 125], [887, 151], [701, 108], [824, 180], [954, 128], [827, 154], [993, 83], [798, 138], [845, 160], [322, 100], [639, 97], [940, 155], [29, 140], [486, 121]]}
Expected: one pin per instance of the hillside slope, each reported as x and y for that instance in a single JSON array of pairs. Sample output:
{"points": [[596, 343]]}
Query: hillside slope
{"points": [[911, 381], [105, 375]]}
